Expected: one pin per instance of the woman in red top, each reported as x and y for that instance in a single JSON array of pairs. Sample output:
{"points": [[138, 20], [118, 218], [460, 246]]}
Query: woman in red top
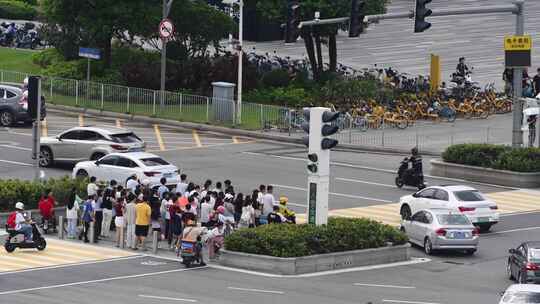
{"points": [[46, 209]]}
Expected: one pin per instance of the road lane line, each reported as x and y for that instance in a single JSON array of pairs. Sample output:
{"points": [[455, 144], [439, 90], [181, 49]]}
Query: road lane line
{"points": [[256, 290], [336, 194], [196, 138], [339, 164], [512, 230], [98, 280], [159, 138], [364, 182], [167, 298], [119, 123], [384, 286], [15, 163], [407, 302], [81, 120], [16, 147], [235, 139], [44, 130]]}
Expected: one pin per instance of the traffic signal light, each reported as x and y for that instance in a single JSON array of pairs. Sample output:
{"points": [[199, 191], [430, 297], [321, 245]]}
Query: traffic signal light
{"points": [[305, 125], [329, 129], [293, 20], [420, 14], [313, 165], [356, 25], [33, 93]]}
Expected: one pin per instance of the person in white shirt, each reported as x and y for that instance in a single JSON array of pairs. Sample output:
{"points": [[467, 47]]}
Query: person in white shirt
{"points": [[129, 218], [206, 208], [268, 202], [166, 204], [247, 219], [182, 185], [92, 188], [132, 183], [262, 192], [22, 224], [72, 214]]}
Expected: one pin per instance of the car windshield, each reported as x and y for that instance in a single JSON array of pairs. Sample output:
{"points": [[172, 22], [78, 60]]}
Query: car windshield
{"points": [[453, 219], [522, 297], [154, 161], [534, 255], [125, 138], [469, 196]]}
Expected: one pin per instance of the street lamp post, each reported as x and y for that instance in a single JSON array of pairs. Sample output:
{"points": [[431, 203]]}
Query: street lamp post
{"points": [[166, 10], [240, 3]]}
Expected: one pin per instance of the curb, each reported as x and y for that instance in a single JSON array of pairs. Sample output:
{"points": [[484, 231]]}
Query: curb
{"points": [[224, 130]]}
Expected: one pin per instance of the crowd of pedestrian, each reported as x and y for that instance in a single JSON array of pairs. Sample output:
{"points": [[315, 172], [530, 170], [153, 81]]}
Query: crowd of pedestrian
{"points": [[138, 210]]}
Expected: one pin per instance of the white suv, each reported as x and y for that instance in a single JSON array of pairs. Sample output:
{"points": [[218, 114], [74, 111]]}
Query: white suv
{"points": [[481, 211]]}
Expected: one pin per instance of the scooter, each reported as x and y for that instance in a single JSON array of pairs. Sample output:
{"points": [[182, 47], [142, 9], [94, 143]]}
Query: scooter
{"points": [[408, 176], [188, 253], [16, 239]]}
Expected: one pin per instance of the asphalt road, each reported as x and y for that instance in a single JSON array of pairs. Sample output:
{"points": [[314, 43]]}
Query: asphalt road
{"points": [[360, 181]]}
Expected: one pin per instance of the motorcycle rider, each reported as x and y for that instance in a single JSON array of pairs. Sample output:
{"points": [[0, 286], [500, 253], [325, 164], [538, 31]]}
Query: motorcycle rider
{"points": [[193, 234], [22, 223], [416, 161], [462, 69]]}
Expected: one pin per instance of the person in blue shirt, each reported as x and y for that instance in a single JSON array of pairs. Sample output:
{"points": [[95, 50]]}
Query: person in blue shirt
{"points": [[87, 217], [163, 188]]}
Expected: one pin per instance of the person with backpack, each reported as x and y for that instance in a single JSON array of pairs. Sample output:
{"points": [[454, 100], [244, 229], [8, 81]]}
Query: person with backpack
{"points": [[87, 217], [19, 222], [107, 206], [72, 215]]}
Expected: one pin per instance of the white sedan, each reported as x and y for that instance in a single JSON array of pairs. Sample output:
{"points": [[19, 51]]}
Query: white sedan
{"points": [[121, 166], [481, 211]]}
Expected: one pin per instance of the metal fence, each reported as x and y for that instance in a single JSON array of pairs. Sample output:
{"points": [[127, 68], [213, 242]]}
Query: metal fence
{"points": [[168, 105]]}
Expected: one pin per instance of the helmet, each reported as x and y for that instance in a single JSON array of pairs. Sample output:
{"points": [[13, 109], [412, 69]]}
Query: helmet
{"points": [[283, 200], [221, 209], [19, 206]]}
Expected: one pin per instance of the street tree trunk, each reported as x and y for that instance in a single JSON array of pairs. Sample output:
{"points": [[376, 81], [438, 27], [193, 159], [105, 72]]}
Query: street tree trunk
{"points": [[310, 50], [318, 45], [332, 52]]}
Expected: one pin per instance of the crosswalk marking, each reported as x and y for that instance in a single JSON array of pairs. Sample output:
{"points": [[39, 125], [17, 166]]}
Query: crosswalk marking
{"points": [[507, 202], [57, 253]]}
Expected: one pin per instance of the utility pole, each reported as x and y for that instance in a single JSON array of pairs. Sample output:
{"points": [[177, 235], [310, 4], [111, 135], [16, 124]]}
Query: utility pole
{"points": [[240, 61], [517, 115], [166, 10]]}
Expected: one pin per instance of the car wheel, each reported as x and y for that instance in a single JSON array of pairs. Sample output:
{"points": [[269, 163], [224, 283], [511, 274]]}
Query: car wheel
{"points": [[97, 156], [470, 251], [405, 212], [484, 227], [6, 118], [509, 271], [428, 247], [45, 157], [82, 174]]}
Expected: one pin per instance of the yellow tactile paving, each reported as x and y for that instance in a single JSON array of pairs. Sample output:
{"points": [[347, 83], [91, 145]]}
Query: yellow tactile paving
{"points": [[57, 253], [507, 201]]}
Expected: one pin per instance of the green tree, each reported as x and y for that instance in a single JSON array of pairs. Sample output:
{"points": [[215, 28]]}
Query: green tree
{"points": [[315, 36]]}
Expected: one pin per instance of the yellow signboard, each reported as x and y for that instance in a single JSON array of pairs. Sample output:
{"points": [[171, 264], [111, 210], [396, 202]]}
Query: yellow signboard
{"points": [[518, 43]]}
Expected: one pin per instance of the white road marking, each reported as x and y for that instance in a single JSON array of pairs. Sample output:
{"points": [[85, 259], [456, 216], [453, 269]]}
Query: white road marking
{"points": [[513, 230], [519, 213], [69, 265], [167, 298], [15, 163], [337, 194], [97, 281], [407, 302], [16, 147], [256, 290], [384, 286], [382, 170], [412, 261], [364, 182]]}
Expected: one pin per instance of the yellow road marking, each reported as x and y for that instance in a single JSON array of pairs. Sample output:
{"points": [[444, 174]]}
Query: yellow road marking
{"points": [[159, 138], [44, 130], [119, 123], [81, 120], [235, 139], [196, 138]]}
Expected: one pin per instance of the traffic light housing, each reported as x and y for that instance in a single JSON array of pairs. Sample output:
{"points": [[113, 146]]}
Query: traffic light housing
{"points": [[33, 94], [356, 22], [420, 14], [329, 129], [313, 165], [293, 20]]}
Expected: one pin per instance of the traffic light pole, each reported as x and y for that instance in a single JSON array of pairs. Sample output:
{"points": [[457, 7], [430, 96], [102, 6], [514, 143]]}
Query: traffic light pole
{"points": [[37, 133]]}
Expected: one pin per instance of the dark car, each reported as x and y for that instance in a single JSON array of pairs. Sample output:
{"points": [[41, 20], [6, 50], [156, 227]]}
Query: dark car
{"points": [[524, 263], [14, 106]]}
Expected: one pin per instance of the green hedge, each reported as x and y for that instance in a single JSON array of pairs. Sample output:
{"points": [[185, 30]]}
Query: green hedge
{"points": [[494, 156], [28, 192], [341, 234], [10, 9]]}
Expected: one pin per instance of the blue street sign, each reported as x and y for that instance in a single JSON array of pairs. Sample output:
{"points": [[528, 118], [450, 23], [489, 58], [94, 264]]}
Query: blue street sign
{"points": [[89, 53]]}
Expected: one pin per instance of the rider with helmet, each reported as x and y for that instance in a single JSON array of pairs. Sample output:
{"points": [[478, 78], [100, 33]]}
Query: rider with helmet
{"points": [[286, 212], [416, 161], [22, 223]]}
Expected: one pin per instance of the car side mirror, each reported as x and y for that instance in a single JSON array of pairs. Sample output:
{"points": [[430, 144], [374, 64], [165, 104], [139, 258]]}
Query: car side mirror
{"points": [[415, 194], [59, 138], [96, 162], [511, 251]]}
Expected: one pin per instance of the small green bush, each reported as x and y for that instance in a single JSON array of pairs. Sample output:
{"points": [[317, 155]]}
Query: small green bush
{"points": [[47, 57], [341, 234], [276, 78], [494, 156], [28, 192], [289, 96], [10, 9]]}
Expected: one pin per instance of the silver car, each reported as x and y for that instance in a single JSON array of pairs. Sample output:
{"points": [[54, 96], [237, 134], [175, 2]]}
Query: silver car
{"points": [[521, 294], [87, 143], [14, 105], [436, 229]]}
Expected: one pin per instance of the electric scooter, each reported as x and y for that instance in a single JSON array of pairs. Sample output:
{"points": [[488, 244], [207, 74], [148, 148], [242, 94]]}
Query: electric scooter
{"points": [[408, 176], [16, 239]]}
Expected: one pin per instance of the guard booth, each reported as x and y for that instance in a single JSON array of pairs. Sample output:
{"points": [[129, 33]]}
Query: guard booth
{"points": [[223, 102], [531, 106]]}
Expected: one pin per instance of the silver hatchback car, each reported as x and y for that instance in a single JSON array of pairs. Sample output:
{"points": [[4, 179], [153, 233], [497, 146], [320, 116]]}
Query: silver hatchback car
{"points": [[446, 229], [88, 143]]}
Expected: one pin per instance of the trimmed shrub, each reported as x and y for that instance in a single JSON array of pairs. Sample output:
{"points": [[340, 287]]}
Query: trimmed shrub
{"points": [[28, 192], [494, 156], [341, 234], [276, 78], [10, 9], [47, 57]]}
